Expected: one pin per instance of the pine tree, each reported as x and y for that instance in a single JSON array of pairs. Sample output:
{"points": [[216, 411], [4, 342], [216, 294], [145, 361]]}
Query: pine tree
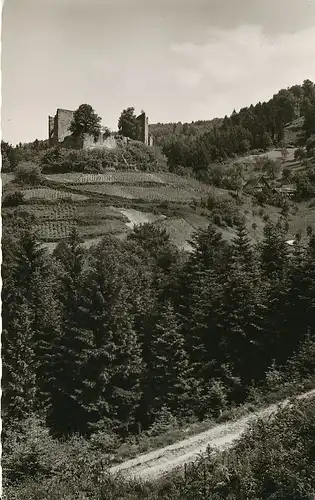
{"points": [[300, 306], [67, 358], [274, 252], [274, 264], [18, 377], [168, 366], [28, 259], [22, 262], [296, 301], [46, 327], [199, 303], [114, 366], [241, 321]]}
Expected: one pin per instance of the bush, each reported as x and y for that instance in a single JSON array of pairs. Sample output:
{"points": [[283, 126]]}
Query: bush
{"points": [[13, 199], [133, 156], [163, 422], [28, 173], [33, 461]]}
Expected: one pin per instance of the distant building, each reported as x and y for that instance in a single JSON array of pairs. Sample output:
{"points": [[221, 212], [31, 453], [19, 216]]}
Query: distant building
{"points": [[258, 185], [287, 190]]}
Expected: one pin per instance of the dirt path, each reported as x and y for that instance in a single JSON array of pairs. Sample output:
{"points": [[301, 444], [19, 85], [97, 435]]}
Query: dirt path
{"points": [[158, 462]]}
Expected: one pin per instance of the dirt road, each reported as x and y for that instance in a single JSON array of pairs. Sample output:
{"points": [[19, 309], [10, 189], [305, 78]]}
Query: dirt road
{"points": [[158, 462]]}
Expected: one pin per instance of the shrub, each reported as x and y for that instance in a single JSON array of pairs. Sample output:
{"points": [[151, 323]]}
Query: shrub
{"points": [[28, 173], [163, 422], [133, 156], [13, 199]]}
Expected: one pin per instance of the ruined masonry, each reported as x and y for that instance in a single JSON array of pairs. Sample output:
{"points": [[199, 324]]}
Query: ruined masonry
{"points": [[59, 133]]}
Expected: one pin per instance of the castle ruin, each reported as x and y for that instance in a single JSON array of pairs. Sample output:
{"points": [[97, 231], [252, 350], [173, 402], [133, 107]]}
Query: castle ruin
{"points": [[59, 133]]}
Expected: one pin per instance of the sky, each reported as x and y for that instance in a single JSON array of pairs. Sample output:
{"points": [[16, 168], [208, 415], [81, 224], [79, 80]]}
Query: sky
{"points": [[179, 60]]}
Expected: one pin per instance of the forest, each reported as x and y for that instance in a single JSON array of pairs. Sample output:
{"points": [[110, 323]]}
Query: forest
{"points": [[193, 146], [108, 342]]}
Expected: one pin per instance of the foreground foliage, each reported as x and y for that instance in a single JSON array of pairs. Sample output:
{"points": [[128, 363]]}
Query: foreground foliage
{"points": [[274, 459]]}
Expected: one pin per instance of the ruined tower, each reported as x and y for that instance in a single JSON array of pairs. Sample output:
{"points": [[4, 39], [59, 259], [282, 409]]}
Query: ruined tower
{"points": [[58, 126], [143, 123]]}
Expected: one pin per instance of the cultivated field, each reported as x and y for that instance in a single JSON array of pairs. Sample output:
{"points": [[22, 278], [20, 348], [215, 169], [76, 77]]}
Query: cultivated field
{"points": [[149, 193], [130, 178], [106, 227], [273, 154], [162, 198], [59, 211], [54, 230], [45, 193], [136, 217], [107, 177]]}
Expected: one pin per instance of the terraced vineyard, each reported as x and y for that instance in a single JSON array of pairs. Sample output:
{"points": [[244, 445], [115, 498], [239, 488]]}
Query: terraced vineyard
{"points": [[46, 193], [59, 211], [54, 230], [131, 178], [149, 193], [108, 177]]}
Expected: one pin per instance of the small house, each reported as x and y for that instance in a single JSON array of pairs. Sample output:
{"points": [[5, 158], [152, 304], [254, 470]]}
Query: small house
{"points": [[258, 185]]}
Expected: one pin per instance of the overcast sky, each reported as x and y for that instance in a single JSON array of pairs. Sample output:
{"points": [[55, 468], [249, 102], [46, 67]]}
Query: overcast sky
{"points": [[179, 60]]}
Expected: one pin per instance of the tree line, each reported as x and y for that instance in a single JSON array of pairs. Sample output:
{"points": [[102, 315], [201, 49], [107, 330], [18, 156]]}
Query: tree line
{"points": [[255, 128], [108, 339]]}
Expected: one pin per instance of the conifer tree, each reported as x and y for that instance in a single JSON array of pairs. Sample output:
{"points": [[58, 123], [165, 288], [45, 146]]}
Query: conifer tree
{"points": [[199, 303], [241, 321], [46, 326], [274, 252], [22, 262], [168, 367], [300, 306], [69, 350], [274, 264], [114, 365], [18, 356]]}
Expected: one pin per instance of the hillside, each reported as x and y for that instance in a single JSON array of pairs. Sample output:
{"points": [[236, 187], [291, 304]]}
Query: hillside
{"points": [[113, 201], [128, 347]]}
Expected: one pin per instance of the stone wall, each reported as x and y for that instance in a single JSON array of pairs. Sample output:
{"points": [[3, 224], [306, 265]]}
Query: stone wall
{"points": [[89, 142], [101, 142]]}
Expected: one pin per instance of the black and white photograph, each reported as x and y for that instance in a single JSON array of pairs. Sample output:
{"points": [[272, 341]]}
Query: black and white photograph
{"points": [[158, 250]]}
